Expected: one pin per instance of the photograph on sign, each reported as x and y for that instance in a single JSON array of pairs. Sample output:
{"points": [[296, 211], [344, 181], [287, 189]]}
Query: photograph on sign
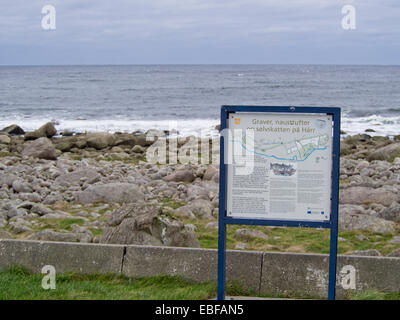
{"points": [[279, 166]]}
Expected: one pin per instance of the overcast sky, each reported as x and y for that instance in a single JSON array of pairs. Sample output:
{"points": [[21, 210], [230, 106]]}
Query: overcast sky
{"points": [[199, 31]]}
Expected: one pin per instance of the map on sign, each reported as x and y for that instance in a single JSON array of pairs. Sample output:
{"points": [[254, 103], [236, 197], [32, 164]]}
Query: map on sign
{"points": [[295, 150], [288, 162]]}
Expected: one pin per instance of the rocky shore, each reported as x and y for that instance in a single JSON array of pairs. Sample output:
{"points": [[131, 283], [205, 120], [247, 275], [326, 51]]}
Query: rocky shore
{"points": [[98, 187]]}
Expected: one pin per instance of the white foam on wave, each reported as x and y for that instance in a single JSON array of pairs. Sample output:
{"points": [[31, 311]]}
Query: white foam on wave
{"points": [[385, 126], [195, 127]]}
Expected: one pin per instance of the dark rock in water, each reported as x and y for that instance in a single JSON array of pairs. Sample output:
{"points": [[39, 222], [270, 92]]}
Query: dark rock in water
{"points": [[41, 148], [342, 132], [369, 130], [47, 130], [218, 127], [13, 130], [147, 225]]}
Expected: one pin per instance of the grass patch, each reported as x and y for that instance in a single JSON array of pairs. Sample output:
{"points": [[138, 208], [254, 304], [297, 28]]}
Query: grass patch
{"points": [[4, 154], [58, 224], [309, 240], [373, 295], [17, 283], [172, 203]]}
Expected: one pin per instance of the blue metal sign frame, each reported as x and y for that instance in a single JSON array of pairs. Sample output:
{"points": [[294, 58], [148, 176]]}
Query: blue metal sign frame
{"points": [[332, 224]]}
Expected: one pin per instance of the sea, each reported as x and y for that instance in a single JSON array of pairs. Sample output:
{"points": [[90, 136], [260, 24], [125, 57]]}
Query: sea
{"points": [[127, 98]]}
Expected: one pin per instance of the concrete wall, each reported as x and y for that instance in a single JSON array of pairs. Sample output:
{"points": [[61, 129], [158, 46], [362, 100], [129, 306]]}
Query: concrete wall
{"points": [[261, 272]]}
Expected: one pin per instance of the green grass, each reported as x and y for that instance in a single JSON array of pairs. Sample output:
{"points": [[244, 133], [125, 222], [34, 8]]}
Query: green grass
{"points": [[19, 284], [61, 224], [172, 203], [308, 240], [373, 295], [4, 154]]}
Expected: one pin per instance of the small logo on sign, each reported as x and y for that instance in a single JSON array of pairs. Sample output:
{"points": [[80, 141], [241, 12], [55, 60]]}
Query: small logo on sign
{"points": [[237, 120]]}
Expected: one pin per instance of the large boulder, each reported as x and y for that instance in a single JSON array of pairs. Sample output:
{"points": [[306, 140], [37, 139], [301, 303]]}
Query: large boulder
{"points": [[199, 208], [4, 138], [248, 234], [76, 177], [41, 148], [49, 235], [391, 213], [100, 141], [147, 225], [388, 153], [365, 195], [13, 130], [352, 217], [47, 130], [180, 176], [110, 192]]}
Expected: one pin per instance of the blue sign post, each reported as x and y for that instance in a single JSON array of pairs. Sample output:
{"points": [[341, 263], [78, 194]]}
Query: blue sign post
{"points": [[331, 222]]}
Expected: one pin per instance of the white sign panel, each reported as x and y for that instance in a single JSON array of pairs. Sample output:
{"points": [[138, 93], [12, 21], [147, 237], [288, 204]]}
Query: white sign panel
{"points": [[279, 166]]}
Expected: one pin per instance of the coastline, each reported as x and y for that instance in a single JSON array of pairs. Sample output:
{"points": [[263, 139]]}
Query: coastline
{"points": [[99, 187]]}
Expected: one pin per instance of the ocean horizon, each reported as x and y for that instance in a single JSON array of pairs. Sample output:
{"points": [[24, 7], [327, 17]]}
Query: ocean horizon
{"points": [[127, 98]]}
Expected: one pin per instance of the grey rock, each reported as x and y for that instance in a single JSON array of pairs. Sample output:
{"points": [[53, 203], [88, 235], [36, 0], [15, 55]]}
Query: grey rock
{"points": [[247, 234], [5, 235], [56, 215], [395, 240], [395, 253], [111, 192], [361, 237], [49, 235], [138, 149], [21, 186], [210, 172], [8, 179], [368, 253], [20, 229], [100, 141], [198, 208], [32, 197], [40, 209], [13, 130], [241, 246], [388, 153], [364, 195], [89, 175], [213, 225], [391, 213], [181, 176], [147, 225], [4, 139], [352, 218], [47, 130], [41, 148]]}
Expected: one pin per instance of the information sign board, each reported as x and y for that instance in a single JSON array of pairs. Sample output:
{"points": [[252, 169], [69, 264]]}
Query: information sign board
{"points": [[279, 166]]}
